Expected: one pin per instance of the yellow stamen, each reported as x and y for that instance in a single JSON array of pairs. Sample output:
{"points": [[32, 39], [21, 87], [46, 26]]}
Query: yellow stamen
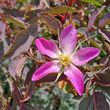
{"points": [[65, 59]]}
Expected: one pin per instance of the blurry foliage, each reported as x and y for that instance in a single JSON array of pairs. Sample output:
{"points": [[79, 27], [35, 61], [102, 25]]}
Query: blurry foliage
{"points": [[21, 22]]}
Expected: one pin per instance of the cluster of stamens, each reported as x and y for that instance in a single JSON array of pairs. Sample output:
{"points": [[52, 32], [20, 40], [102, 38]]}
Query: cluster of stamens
{"points": [[65, 59]]}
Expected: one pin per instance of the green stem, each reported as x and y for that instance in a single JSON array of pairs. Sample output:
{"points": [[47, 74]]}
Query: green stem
{"points": [[59, 74], [81, 43]]}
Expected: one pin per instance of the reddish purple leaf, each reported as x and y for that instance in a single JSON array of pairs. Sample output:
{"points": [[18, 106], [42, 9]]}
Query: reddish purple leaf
{"points": [[16, 96], [50, 78], [100, 102], [27, 107], [53, 23], [105, 34], [22, 41], [12, 67], [14, 12], [109, 64], [94, 16], [29, 75], [16, 65], [86, 104], [20, 64], [104, 79], [2, 30], [87, 35], [105, 20], [29, 91]]}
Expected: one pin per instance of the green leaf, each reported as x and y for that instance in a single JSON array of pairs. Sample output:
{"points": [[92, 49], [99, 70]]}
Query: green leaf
{"points": [[92, 1], [62, 9]]}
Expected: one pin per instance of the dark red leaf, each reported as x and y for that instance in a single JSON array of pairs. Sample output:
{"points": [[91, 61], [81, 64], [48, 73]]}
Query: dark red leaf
{"points": [[94, 16], [16, 96], [105, 34], [104, 79], [29, 75], [50, 78], [100, 102], [29, 91]]}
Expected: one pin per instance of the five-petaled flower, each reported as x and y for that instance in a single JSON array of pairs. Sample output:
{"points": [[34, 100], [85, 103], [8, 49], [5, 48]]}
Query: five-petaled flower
{"points": [[66, 57]]}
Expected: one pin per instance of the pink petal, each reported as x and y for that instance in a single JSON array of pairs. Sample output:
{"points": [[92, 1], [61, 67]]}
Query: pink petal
{"points": [[50, 67], [76, 78], [47, 47], [84, 55], [68, 39]]}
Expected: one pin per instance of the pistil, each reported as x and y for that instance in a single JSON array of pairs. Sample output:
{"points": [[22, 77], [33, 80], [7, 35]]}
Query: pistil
{"points": [[65, 59]]}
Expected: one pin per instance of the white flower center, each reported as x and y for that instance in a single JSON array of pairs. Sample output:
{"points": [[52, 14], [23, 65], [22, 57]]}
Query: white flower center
{"points": [[65, 59]]}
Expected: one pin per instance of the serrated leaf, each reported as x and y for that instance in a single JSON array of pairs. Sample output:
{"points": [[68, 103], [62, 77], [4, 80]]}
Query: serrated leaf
{"points": [[104, 79], [53, 23], [22, 41], [86, 104], [92, 1], [105, 33], [62, 9], [100, 102], [105, 20], [94, 16]]}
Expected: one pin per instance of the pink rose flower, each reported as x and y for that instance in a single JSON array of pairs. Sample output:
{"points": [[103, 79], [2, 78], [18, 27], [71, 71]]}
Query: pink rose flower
{"points": [[65, 57]]}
